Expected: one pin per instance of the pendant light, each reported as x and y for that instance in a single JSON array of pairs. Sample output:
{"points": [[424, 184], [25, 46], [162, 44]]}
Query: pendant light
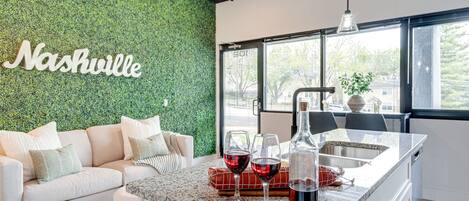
{"points": [[347, 23]]}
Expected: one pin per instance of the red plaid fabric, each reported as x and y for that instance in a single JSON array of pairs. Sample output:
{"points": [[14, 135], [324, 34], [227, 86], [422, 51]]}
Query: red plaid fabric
{"points": [[222, 178], [327, 176]]}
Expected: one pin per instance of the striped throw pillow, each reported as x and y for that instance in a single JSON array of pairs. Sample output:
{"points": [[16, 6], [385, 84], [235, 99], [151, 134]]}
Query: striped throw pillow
{"points": [[55, 163], [148, 147]]}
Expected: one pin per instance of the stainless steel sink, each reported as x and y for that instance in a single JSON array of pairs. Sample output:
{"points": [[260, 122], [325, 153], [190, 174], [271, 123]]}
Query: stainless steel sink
{"points": [[347, 154], [352, 150], [334, 161]]}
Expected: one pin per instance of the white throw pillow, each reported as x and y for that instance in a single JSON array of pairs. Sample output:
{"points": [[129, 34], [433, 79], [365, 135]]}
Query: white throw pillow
{"points": [[16, 145], [139, 129]]}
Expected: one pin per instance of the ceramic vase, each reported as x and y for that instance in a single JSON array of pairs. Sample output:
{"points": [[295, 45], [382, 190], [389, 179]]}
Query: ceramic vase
{"points": [[356, 103]]}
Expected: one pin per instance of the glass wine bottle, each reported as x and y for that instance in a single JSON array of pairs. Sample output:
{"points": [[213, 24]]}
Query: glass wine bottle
{"points": [[304, 161]]}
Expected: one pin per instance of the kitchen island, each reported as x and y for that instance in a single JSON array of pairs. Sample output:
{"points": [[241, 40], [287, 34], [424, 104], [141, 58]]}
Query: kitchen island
{"points": [[381, 169]]}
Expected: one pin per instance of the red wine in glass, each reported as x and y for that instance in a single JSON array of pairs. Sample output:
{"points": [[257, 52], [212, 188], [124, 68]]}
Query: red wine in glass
{"points": [[303, 196], [307, 195], [265, 168], [237, 160]]}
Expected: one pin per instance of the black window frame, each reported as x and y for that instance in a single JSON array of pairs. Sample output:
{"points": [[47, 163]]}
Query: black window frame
{"points": [[253, 44], [264, 74], [406, 25], [429, 20], [370, 27], [323, 33]]}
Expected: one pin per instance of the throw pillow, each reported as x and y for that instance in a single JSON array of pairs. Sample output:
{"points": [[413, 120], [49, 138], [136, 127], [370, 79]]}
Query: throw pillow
{"points": [[145, 148], [16, 145], [55, 163], [140, 129]]}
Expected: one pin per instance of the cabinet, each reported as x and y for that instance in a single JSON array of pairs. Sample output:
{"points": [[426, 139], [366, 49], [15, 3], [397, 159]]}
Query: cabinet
{"points": [[406, 194], [398, 185]]}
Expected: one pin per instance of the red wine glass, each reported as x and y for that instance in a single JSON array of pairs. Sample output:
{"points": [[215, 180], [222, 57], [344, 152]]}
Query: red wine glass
{"points": [[236, 155], [265, 161]]}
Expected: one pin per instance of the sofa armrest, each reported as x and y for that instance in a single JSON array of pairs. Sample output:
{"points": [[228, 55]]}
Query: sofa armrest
{"points": [[11, 179], [185, 143]]}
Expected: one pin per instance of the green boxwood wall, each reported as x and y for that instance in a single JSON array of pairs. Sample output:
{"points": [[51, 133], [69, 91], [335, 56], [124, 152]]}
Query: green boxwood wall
{"points": [[173, 40]]}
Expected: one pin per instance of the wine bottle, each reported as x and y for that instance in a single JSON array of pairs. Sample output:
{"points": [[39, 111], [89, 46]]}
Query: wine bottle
{"points": [[303, 161]]}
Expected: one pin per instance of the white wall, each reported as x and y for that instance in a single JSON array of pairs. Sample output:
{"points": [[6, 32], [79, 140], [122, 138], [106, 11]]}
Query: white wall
{"points": [[445, 159]]}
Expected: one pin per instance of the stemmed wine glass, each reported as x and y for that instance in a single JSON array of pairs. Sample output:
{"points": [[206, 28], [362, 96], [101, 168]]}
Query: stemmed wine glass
{"points": [[265, 161], [236, 155]]}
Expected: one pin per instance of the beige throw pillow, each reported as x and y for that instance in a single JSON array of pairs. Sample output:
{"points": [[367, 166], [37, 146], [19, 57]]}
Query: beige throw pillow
{"points": [[139, 129], [17, 145], [149, 147], [54, 163]]}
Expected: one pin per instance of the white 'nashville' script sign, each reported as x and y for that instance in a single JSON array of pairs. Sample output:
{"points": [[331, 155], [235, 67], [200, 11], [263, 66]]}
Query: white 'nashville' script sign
{"points": [[78, 62]]}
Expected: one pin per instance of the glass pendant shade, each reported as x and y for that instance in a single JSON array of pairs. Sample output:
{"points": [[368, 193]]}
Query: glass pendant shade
{"points": [[347, 23]]}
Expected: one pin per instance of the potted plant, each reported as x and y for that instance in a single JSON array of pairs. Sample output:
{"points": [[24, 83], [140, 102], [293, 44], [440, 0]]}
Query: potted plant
{"points": [[355, 86]]}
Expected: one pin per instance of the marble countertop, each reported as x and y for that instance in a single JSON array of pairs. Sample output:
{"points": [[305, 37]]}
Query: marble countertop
{"points": [[192, 183]]}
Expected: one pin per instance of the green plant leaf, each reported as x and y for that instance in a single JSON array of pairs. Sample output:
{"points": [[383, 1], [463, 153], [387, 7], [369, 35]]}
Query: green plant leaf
{"points": [[357, 84]]}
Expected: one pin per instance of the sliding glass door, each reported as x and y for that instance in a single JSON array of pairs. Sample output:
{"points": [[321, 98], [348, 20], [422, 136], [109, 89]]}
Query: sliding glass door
{"points": [[240, 102]]}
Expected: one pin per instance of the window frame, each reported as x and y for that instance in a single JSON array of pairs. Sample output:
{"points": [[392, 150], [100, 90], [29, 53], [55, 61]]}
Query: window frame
{"points": [[317, 34], [323, 34], [406, 25], [370, 27], [430, 20]]}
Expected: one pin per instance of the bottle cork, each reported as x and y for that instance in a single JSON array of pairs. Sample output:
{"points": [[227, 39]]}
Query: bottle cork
{"points": [[303, 106]]}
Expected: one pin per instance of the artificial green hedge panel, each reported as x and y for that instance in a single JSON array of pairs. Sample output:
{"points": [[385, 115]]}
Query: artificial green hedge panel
{"points": [[173, 40]]}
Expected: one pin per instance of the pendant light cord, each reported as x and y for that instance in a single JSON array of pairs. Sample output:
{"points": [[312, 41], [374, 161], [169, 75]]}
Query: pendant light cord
{"points": [[348, 5]]}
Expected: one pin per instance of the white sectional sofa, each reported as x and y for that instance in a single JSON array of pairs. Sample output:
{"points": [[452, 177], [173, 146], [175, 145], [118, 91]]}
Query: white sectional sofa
{"points": [[101, 152]]}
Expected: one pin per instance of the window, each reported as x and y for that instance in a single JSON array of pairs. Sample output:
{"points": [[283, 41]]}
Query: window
{"points": [[436, 75], [296, 63], [376, 51], [440, 66], [290, 65]]}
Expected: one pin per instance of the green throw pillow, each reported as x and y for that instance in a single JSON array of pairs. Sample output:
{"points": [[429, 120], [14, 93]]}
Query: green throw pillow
{"points": [[145, 148], [55, 163]]}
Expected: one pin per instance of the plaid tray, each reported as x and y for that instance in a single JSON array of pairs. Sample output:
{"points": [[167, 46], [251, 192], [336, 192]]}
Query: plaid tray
{"points": [[222, 178]]}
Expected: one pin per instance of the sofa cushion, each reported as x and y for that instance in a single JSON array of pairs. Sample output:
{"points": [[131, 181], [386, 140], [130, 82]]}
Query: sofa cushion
{"points": [[89, 181], [106, 143], [138, 129], [130, 171], [81, 144], [16, 145]]}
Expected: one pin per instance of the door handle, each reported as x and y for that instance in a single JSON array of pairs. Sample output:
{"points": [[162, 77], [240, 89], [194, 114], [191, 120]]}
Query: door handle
{"points": [[255, 107], [416, 155]]}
